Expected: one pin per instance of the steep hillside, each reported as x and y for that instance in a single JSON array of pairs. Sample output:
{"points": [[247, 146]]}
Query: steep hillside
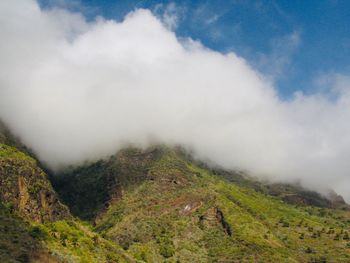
{"points": [[160, 206], [90, 189], [35, 226], [59, 241], [25, 187], [17, 243], [289, 193]]}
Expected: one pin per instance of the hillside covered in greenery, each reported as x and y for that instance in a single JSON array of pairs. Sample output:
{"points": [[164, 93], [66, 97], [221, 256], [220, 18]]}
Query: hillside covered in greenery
{"points": [[161, 205], [34, 225]]}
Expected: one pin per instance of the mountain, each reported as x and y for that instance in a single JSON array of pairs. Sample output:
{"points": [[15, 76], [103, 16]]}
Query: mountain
{"points": [[26, 189], [289, 193], [34, 225], [160, 205]]}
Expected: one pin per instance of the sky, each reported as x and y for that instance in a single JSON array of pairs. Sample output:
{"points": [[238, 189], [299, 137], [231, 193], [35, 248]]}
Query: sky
{"points": [[294, 42], [251, 86]]}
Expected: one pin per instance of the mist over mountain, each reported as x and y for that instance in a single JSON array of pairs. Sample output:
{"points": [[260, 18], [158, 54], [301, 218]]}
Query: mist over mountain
{"points": [[76, 90]]}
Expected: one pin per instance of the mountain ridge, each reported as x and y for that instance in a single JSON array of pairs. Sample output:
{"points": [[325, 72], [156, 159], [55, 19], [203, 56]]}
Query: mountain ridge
{"points": [[173, 203], [160, 205]]}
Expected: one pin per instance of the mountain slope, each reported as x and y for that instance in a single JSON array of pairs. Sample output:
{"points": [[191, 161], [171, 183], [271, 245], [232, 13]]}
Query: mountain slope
{"points": [[17, 243], [26, 188], [160, 206], [289, 193], [35, 226], [90, 189]]}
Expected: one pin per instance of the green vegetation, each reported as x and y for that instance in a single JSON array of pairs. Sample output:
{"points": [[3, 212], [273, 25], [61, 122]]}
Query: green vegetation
{"points": [[159, 205], [74, 241], [178, 211], [35, 226], [16, 242], [11, 152], [60, 241], [25, 187]]}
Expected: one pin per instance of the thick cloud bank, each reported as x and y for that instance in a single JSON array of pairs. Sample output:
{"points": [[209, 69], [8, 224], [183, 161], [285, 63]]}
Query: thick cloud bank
{"points": [[75, 90]]}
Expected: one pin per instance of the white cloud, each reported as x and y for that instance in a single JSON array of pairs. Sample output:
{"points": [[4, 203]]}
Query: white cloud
{"points": [[283, 48], [78, 91], [169, 14], [332, 84], [212, 19]]}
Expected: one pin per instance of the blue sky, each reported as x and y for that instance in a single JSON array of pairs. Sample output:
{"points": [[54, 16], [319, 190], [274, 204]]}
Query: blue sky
{"points": [[106, 84], [295, 42]]}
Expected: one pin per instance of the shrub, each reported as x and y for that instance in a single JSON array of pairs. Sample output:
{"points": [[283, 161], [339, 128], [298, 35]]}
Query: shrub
{"points": [[167, 250], [38, 233], [319, 260], [285, 224], [23, 258], [308, 250]]}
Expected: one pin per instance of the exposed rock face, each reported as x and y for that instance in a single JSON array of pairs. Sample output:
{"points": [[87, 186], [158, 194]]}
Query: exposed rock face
{"points": [[25, 187], [214, 217], [337, 201], [221, 219]]}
